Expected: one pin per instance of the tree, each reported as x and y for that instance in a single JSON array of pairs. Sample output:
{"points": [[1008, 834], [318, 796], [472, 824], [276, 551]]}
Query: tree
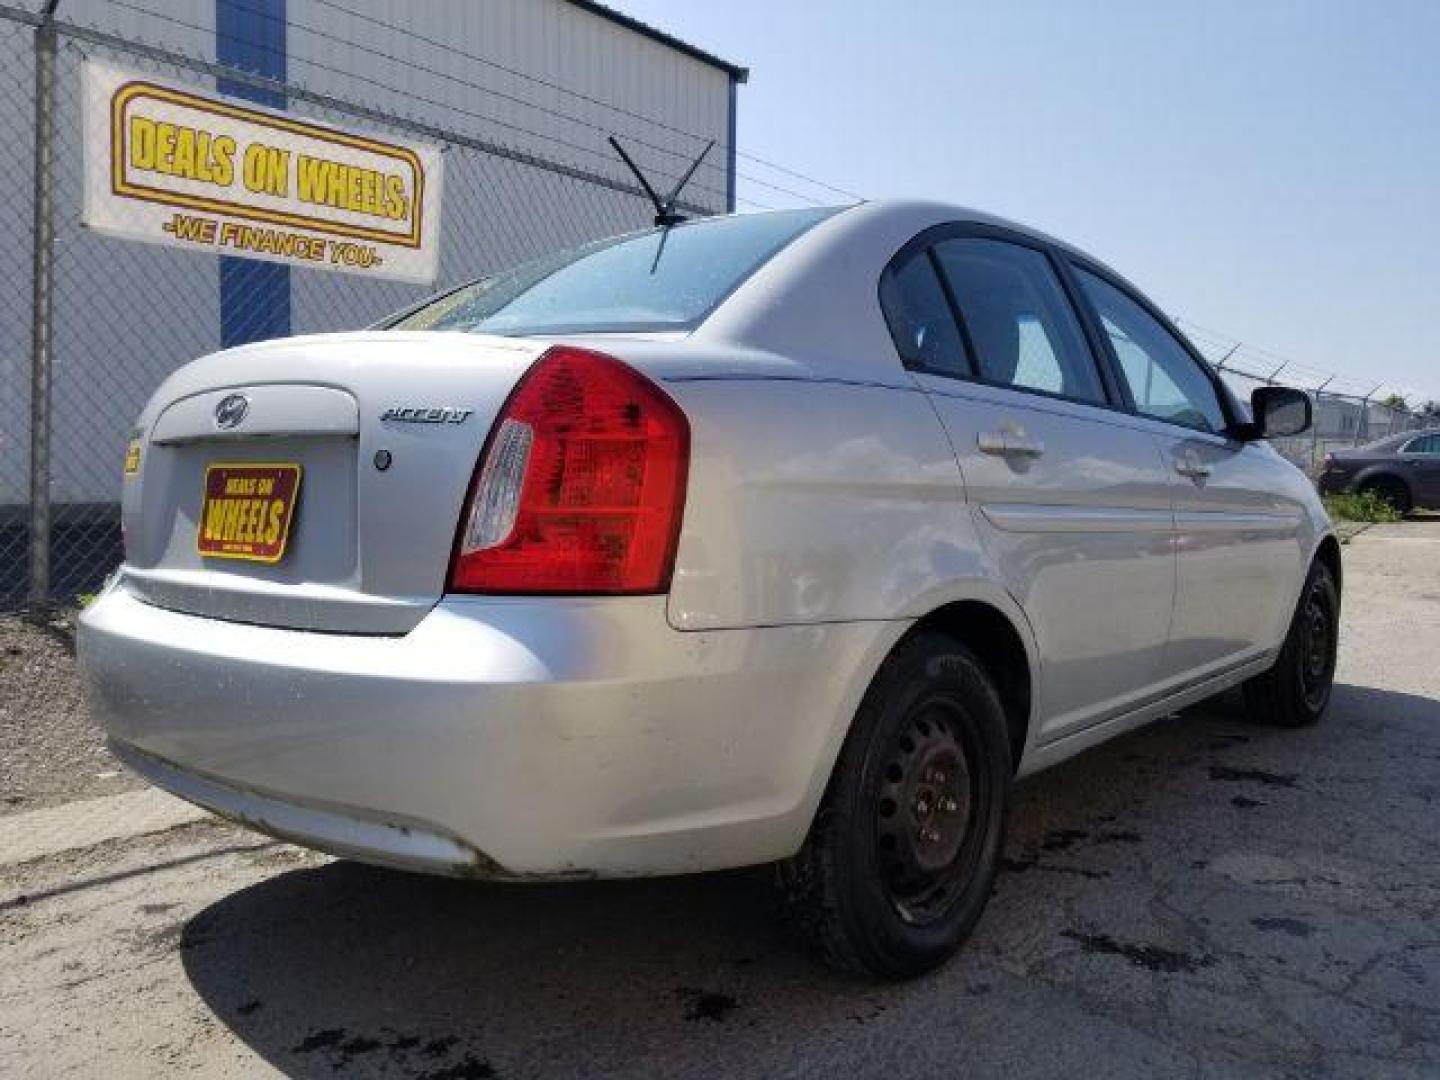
{"points": [[1395, 401]]}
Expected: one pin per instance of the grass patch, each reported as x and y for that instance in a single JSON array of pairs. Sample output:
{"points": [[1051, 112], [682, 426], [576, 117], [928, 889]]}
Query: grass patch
{"points": [[1360, 506]]}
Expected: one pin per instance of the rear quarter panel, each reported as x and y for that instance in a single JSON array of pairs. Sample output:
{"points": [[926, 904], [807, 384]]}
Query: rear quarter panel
{"points": [[816, 501]]}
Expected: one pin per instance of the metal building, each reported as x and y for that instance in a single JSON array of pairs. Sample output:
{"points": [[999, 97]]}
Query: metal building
{"points": [[520, 94]]}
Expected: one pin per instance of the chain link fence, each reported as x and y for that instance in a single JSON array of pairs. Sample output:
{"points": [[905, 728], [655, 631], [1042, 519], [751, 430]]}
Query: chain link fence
{"points": [[1344, 417], [17, 84], [1340, 420], [125, 315]]}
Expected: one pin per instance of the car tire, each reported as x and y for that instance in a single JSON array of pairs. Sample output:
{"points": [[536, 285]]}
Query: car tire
{"points": [[1296, 691], [902, 855], [1392, 490]]}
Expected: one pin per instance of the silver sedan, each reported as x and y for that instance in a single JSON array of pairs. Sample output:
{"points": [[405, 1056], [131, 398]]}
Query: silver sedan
{"points": [[789, 537]]}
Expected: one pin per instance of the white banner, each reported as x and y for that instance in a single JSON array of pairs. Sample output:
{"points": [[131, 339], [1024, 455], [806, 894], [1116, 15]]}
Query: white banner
{"points": [[166, 165]]}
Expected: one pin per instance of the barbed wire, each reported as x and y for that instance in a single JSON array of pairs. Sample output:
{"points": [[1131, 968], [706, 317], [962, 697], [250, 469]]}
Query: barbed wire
{"points": [[1232, 356], [518, 198]]}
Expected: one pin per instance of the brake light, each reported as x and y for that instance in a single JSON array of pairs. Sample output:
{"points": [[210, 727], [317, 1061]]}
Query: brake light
{"points": [[580, 487]]}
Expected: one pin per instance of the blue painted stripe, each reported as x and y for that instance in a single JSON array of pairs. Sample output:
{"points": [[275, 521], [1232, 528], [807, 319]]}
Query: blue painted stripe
{"points": [[254, 295]]}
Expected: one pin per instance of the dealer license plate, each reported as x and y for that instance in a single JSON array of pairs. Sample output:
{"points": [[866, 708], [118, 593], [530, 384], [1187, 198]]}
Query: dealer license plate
{"points": [[247, 510]]}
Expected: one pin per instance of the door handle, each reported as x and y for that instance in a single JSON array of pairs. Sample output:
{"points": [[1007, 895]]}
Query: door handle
{"points": [[1009, 443], [1193, 469], [991, 442], [1024, 445]]}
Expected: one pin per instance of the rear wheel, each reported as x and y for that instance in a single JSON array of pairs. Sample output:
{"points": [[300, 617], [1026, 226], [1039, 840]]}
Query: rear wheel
{"points": [[1296, 691], [1390, 489], [903, 852]]}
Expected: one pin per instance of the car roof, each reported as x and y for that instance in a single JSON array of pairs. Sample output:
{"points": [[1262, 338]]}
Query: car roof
{"points": [[814, 306], [939, 213]]}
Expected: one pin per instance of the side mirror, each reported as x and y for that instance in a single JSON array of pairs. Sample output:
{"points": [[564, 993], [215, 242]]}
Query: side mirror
{"points": [[1278, 411]]}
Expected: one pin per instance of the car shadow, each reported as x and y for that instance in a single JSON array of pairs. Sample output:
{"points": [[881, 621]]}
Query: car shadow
{"points": [[348, 969], [349, 965]]}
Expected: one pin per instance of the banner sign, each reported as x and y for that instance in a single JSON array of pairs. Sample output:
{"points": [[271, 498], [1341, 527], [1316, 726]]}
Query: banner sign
{"points": [[166, 165]]}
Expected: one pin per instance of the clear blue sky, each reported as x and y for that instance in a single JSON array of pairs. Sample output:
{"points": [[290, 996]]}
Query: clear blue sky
{"points": [[1270, 170]]}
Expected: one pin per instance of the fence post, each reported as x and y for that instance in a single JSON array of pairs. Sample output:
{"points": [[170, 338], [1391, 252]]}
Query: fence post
{"points": [[1318, 397], [42, 272], [1363, 426]]}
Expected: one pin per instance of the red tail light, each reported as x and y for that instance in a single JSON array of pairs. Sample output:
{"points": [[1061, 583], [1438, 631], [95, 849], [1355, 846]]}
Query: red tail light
{"points": [[581, 486]]}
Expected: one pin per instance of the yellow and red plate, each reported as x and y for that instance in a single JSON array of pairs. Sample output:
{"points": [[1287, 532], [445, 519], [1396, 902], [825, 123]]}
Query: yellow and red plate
{"points": [[247, 510]]}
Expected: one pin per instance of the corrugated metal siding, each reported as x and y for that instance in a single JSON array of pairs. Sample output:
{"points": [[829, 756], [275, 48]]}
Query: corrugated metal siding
{"points": [[498, 213], [127, 314], [550, 40]]}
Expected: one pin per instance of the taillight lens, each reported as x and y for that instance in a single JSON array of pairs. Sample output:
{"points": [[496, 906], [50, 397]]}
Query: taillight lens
{"points": [[581, 486]]}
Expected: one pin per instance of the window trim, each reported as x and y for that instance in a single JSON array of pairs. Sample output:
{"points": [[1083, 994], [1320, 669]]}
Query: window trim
{"points": [[923, 245], [967, 343], [1074, 261]]}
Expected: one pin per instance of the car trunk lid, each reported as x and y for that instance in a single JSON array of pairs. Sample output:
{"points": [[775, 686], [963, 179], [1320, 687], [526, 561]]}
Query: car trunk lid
{"points": [[382, 431]]}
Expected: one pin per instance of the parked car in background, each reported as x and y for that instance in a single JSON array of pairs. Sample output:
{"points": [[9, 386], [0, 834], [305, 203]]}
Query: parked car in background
{"points": [[791, 537], [1403, 469]]}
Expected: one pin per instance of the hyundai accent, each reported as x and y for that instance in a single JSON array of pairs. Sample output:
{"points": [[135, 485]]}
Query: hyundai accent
{"points": [[787, 538]]}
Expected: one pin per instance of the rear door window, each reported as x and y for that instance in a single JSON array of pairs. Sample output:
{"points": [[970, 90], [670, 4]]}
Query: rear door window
{"points": [[920, 318], [1019, 322]]}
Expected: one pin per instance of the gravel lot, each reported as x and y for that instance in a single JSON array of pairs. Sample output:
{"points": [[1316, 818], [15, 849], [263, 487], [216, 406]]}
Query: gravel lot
{"points": [[1203, 898], [50, 752]]}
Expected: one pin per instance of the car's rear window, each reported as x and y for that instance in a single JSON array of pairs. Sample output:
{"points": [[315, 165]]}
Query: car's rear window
{"points": [[656, 280]]}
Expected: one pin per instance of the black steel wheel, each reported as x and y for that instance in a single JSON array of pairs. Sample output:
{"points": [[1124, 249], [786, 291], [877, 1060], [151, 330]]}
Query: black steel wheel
{"points": [[903, 852], [924, 811], [1318, 626], [1296, 691]]}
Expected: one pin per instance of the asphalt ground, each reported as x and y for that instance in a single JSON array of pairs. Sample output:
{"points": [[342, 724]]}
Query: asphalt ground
{"points": [[1203, 898]]}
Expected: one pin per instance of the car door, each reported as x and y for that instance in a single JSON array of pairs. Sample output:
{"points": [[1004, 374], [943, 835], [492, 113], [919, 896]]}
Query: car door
{"points": [[1237, 508], [1420, 462], [1069, 497]]}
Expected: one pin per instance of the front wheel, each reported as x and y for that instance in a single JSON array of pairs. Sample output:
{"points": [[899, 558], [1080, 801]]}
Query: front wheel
{"points": [[1296, 691], [903, 852]]}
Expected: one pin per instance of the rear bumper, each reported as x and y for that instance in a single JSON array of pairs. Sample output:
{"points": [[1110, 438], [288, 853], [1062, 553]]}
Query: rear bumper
{"points": [[339, 832], [500, 737]]}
